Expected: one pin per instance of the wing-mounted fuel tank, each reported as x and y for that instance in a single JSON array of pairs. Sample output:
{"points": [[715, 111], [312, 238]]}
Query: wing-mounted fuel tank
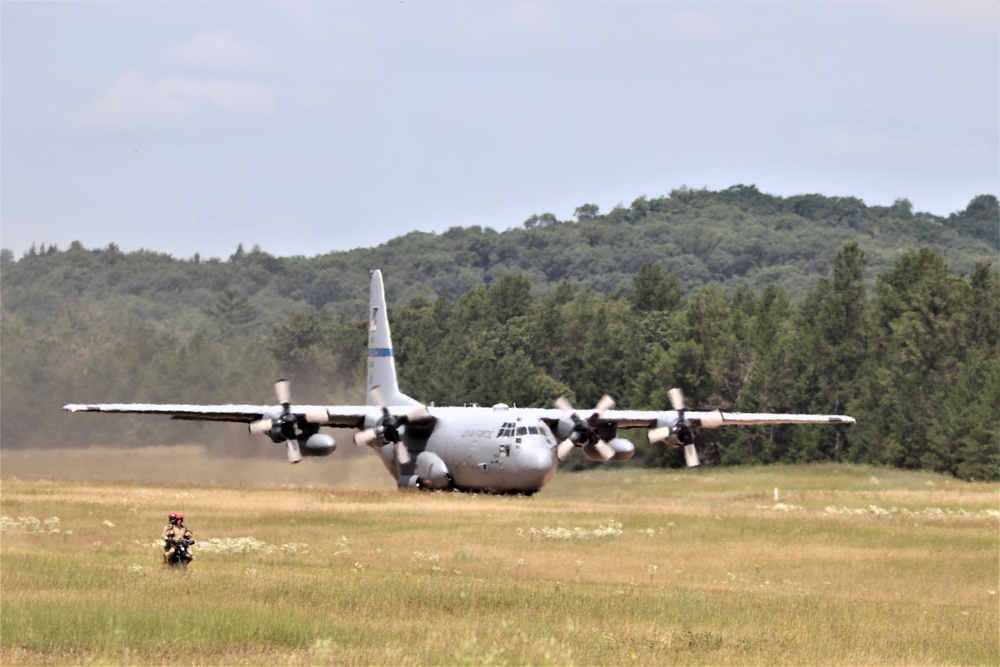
{"points": [[317, 444]]}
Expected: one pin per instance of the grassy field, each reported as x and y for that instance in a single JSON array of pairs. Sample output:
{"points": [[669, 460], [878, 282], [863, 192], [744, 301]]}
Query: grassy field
{"points": [[778, 565]]}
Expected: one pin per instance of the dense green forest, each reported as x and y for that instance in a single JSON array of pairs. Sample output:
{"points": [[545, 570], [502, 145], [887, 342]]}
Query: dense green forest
{"points": [[883, 314], [738, 237]]}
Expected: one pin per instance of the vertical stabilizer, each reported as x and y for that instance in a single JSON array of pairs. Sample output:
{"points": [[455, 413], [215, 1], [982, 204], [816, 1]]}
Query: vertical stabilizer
{"points": [[381, 363]]}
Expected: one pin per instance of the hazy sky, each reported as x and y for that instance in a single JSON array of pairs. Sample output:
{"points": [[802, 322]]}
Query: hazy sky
{"points": [[308, 127]]}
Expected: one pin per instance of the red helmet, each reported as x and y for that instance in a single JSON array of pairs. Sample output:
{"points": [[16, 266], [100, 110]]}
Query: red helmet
{"points": [[174, 516]]}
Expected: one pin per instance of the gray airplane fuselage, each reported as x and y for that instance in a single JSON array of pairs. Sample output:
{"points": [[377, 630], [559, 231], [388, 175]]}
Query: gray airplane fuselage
{"points": [[482, 449]]}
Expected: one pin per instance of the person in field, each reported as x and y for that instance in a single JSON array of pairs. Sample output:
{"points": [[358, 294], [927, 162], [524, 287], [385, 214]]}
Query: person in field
{"points": [[175, 530]]}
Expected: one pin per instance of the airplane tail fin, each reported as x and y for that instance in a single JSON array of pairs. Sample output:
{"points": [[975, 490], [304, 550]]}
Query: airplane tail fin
{"points": [[381, 363]]}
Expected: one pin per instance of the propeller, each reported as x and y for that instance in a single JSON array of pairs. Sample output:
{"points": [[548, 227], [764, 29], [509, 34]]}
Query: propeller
{"points": [[283, 427], [681, 430], [386, 430], [584, 432]]}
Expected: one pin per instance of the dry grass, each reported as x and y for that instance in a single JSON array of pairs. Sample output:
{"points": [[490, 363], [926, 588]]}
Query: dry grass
{"points": [[850, 566]]}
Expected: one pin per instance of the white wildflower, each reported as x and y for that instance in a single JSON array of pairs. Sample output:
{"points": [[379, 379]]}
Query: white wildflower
{"points": [[928, 512], [31, 524], [236, 545], [342, 548], [780, 507], [611, 529], [23, 524], [107, 523]]}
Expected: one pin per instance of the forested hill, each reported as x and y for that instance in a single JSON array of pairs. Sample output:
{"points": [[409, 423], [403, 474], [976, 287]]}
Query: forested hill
{"points": [[738, 237]]}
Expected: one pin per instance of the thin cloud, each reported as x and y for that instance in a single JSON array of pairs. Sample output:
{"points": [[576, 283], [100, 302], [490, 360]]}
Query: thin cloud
{"points": [[219, 51], [136, 102]]}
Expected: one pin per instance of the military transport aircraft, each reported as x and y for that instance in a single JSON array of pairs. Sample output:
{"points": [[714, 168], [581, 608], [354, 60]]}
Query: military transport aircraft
{"points": [[496, 449]]}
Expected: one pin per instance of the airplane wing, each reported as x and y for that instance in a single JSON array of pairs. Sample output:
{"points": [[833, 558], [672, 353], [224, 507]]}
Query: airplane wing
{"points": [[714, 418], [222, 413], [675, 428], [347, 416], [711, 419]]}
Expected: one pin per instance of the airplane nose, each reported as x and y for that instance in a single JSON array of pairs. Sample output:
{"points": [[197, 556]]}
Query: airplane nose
{"points": [[537, 465]]}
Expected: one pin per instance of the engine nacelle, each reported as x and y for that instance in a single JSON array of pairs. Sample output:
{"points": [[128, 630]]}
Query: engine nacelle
{"points": [[564, 428], [624, 450], [317, 444], [432, 471], [679, 433]]}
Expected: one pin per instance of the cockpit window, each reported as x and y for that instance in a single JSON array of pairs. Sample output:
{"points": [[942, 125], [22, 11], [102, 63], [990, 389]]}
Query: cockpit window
{"points": [[506, 430], [533, 430], [522, 430]]}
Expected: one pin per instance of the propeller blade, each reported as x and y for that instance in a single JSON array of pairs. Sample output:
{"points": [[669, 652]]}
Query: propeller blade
{"points": [[294, 454], [691, 456], [402, 455], [659, 434], [564, 448], [366, 437], [283, 389], [603, 405], [261, 426], [712, 419], [564, 405], [676, 399], [318, 416], [604, 450]]}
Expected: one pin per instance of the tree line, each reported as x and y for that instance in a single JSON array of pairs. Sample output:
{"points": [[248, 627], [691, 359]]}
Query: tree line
{"points": [[911, 354]]}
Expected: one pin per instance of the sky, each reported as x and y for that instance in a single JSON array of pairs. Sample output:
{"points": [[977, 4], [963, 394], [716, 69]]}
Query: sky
{"points": [[311, 127]]}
